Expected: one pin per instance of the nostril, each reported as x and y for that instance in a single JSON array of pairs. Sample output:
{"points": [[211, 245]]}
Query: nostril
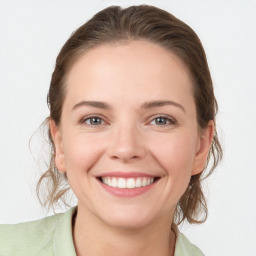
{"points": [[125, 156], [126, 147]]}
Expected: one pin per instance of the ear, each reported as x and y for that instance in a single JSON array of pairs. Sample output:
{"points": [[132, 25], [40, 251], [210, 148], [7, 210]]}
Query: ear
{"points": [[57, 139], [203, 147]]}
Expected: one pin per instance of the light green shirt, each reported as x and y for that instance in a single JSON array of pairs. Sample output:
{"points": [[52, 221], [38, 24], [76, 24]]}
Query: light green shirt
{"points": [[53, 236]]}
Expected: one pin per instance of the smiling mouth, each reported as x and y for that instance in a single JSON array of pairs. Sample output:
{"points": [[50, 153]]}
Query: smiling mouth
{"points": [[130, 183]]}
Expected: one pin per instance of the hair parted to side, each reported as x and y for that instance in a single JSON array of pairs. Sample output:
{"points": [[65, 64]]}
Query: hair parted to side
{"points": [[143, 22]]}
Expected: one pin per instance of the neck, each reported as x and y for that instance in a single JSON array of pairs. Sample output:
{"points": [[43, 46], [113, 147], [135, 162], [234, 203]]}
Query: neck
{"points": [[92, 237]]}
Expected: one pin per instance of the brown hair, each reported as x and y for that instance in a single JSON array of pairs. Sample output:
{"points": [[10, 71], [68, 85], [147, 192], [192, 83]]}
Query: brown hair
{"points": [[116, 24]]}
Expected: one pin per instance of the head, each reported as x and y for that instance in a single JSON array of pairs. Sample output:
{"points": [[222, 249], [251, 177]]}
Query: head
{"points": [[115, 28]]}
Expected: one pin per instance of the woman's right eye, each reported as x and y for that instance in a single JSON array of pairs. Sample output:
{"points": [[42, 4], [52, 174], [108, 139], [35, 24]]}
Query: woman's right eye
{"points": [[93, 121]]}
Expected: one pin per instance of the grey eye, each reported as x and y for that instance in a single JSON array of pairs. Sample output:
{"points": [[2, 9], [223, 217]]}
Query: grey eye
{"points": [[94, 121], [161, 121]]}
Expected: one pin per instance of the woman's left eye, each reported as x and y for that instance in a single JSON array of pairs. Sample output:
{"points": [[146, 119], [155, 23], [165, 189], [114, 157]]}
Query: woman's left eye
{"points": [[162, 121], [93, 121]]}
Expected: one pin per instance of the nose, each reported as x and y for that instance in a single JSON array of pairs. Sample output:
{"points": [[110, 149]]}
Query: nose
{"points": [[127, 144]]}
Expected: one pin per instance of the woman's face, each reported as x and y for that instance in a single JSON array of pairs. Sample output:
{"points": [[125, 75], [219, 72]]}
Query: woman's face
{"points": [[128, 138]]}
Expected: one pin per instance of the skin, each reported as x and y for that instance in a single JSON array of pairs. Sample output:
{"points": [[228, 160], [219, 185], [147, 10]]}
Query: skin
{"points": [[127, 137]]}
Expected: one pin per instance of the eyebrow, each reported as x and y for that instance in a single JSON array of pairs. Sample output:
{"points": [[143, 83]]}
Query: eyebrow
{"points": [[160, 103], [146, 105], [95, 104]]}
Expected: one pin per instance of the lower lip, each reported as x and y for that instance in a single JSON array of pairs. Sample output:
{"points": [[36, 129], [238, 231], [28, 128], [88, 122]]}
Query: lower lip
{"points": [[127, 192]]}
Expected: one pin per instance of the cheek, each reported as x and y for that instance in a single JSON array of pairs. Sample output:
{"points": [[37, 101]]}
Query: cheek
{"points": [[81, 152], [176, 154]]}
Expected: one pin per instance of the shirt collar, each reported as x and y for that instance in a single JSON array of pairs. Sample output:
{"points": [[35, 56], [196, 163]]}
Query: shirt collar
{"points": [[63, 239]]}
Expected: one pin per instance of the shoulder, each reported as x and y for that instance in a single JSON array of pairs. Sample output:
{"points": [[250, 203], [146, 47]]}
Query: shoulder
{"points": [[29, 238], [184, 247]]}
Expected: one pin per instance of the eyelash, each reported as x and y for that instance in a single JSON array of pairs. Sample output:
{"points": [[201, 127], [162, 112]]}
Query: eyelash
{"points": [[168, 120], [88, 118]]}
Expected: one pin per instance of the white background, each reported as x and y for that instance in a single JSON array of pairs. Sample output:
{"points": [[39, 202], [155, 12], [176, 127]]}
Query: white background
{"points": [[31, 34]]}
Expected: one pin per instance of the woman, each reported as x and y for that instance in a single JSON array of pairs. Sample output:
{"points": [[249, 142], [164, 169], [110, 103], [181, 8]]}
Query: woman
{"points": [[132, 127]]}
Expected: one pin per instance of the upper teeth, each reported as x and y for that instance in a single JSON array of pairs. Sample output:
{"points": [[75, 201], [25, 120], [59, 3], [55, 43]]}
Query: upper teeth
{"points": [[127, 183]]}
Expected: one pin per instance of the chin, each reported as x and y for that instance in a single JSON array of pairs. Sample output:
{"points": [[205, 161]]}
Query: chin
{"points": [[127, 223], [128, 219]]}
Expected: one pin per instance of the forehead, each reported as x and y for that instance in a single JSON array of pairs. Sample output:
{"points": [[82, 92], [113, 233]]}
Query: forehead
{"points": [[131, 67]]}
